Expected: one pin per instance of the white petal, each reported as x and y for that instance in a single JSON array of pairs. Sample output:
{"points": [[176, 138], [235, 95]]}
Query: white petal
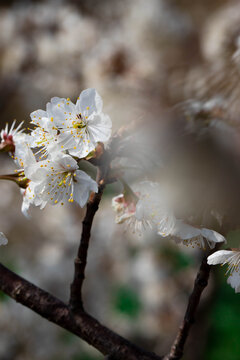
{"points": [[63, 162], [220, 257], [212, 235], [234, 281], [89, 98], [100, 127], [57, 108], [84, 185], [82, 150], [21, 153], [166, 225], [37, 115], [32, 168], [3, 239], [25, 207], [185, 231]]}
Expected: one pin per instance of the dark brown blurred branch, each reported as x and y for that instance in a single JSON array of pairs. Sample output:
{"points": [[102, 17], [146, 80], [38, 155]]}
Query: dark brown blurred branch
{"points": [[200, 283], [80, 323]]}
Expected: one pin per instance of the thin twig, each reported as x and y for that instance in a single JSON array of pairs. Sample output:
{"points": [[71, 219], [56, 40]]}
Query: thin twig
{"points": [[80, 262], [80, 323], [76, 301], [200, 283]]}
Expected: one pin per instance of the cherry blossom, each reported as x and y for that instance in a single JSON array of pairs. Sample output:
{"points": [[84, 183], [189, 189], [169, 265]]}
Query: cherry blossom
{"points": [[232, 258], [13, 139], [74, 128], [59, 180]]}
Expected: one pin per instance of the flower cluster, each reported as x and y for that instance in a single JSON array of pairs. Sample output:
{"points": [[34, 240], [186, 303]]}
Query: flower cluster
{"points": [[48, 172], [146, 205], [48, 157]]}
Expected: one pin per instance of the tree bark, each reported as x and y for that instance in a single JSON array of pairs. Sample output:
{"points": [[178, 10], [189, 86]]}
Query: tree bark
{"points": [[80, 323]]}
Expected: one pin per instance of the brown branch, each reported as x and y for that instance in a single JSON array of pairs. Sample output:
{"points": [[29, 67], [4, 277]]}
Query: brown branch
{"points": [[80, 323], [80, 262], [76, 301], [200, 283]]}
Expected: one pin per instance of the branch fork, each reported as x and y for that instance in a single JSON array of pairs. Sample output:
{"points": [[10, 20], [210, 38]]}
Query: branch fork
{"points": [[72, 316]]}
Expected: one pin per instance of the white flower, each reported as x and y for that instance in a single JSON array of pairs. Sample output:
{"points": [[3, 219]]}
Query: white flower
{"points": [[27, 162], [3, 239], [59, 180], [193, 236], [232, 258], [124, 208], [150, 211], [12, 134], [31, 197], [76, 128], [147, 206], [143, 207], [13, 139]]}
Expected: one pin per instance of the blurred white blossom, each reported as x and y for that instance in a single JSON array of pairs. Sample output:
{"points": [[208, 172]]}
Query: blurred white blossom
{"points": [[147, 205], [3, 239]]}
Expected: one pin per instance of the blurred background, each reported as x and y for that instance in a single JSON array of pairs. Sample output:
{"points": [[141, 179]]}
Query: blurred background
{"points": [[172, 67]]}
